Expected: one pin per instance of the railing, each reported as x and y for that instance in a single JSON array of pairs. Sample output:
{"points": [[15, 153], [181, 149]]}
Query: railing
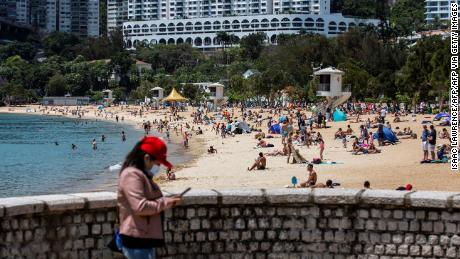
{"points": [[324, 87]]}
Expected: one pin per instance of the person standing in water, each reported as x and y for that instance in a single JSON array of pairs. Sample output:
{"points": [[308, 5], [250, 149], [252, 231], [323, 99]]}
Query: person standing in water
{"points": [[74, 146], [140, 200], [103, 138], [94, 144], [123, 136]]}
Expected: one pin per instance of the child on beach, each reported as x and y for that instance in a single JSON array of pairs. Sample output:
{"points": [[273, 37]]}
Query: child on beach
{"points": [[321, 147]]}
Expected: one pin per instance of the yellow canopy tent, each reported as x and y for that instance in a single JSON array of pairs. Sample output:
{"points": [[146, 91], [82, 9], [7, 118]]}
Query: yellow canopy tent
{"points": [[174, 96]]}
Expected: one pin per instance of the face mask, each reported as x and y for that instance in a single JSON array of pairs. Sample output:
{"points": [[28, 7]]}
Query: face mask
{"points": [[155, 170]]}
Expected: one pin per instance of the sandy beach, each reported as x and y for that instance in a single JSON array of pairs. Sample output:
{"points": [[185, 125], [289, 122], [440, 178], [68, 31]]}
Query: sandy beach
{"points": [[395, 166]]}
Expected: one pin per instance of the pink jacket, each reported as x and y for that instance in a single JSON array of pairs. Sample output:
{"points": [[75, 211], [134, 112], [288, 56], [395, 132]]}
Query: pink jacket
{"points": [[140, 204]]}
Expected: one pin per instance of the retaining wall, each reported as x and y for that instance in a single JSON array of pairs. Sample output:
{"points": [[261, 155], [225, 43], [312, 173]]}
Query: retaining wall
{"points": [[275, 223]]}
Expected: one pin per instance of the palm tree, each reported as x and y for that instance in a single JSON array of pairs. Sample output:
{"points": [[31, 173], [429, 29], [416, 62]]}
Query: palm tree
{"points": [[224, 38]]}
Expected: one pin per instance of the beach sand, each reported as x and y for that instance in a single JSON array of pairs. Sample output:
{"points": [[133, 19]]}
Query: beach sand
{"points": [[396, 166]]}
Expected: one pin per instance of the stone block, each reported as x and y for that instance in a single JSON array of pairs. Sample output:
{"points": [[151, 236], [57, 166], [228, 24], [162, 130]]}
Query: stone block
{"points": [[456, 202], [403, 250], [451, 252], [242, 197], [430, 199], [336, 196], [451, 227], [426, 250], [21, 205], [414, 250], [383, 197], [455, 240], [289, 196], [96, 200], [438, 251]]}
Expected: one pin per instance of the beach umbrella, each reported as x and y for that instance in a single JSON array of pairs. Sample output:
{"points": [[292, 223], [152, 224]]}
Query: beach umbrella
{"points": [[283, 119], [174, 96], [441, 115], [100, 107]]}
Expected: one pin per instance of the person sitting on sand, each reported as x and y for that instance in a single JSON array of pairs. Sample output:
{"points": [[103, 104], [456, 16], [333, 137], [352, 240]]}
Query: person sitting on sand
{"points": [[259, 135], [349, 131], [339, 134], [212, 150], [260, 163], [372, 149], [312, 177], [357, 148], [444, 134], [397, 118]]}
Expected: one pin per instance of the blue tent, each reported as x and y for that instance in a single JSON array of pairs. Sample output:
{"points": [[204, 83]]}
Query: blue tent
{"points": [[276, 129], [339, 115], [441, 115], [388, 135]]}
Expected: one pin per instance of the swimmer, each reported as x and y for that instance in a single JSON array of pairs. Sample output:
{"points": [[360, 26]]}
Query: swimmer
{"points": [[123, 136], [103, 138], [74, 146]]}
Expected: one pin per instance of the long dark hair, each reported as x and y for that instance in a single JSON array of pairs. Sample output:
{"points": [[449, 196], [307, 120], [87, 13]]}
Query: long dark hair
{"points": [[135, 158]]}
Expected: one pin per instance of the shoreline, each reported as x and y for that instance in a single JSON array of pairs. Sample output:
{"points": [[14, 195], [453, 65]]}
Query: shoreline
{"points": [[191, 154]]}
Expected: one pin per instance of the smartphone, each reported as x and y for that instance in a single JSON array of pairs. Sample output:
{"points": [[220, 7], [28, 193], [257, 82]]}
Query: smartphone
{"points": [[185, 191]]}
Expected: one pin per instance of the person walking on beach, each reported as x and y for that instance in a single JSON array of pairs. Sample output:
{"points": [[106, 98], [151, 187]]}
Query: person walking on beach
{"points": [[140, 200], [94, 144]]}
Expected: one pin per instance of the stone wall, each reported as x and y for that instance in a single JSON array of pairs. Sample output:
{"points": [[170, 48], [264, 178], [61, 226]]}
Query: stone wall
{"points": [[277, 223]]}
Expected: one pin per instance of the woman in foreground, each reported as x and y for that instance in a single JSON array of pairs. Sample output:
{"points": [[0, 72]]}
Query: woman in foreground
{"points": [[140, 201]]}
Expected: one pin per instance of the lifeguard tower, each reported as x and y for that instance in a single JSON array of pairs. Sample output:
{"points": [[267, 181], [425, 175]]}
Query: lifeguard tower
{"points": [[157, 94], [108, 96], [216, 95], [331, 87]]}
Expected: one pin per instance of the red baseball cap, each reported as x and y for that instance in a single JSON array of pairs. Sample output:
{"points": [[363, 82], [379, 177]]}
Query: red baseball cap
{"points": [[157, 148], [408, 187]]}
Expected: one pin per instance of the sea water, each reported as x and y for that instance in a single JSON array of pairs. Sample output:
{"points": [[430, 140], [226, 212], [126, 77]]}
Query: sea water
{"points": [[36, 155]]}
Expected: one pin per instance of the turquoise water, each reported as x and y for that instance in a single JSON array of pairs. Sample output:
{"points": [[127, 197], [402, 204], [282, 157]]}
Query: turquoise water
{"points": [[31, 163]]}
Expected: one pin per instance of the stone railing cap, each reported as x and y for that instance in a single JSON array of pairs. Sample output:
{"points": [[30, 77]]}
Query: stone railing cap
{"points": [[384, 197], [97, 200], [289, 195], [432, 199], [196, 196], [21, 205], [60, 202], [336, 196]]}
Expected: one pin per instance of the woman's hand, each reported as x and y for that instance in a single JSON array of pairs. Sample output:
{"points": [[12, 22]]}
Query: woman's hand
{"points": [[174, 200]]}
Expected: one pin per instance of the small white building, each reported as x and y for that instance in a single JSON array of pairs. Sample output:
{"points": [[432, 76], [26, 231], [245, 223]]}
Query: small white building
{"points": [[331, 86], [157, 93], [108, 95], [65, 101]]}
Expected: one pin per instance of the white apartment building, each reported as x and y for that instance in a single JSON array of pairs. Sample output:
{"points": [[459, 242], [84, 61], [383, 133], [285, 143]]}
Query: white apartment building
{"points": [[439, 9], [80, 17], [117, 14], [202, 32]]}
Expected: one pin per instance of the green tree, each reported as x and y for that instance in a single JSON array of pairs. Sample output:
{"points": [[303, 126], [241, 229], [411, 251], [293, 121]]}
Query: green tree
{"points": [[408, 16], [62, 44], [252, 44], [57, 86]]}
